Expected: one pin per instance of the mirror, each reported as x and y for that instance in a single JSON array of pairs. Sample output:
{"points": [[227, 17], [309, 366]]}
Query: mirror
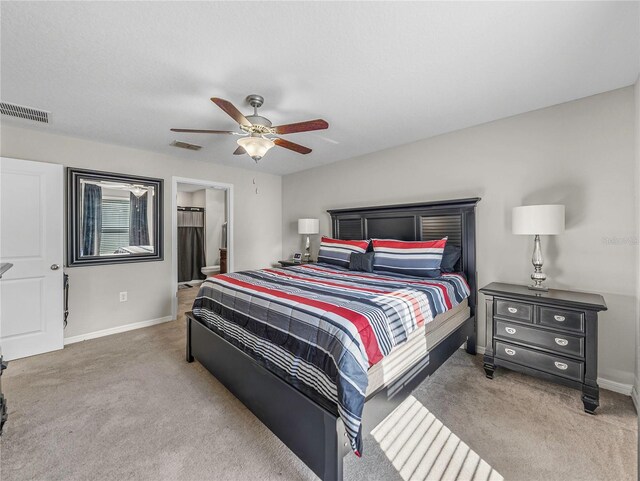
{"points": [[113, 218]]}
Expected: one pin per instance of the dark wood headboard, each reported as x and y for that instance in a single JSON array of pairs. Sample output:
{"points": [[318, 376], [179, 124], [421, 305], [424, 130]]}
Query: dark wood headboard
{"points": [[455, 219]]}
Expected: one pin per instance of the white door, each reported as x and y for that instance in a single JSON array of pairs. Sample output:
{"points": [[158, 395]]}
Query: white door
{"points": [[31, 238]]}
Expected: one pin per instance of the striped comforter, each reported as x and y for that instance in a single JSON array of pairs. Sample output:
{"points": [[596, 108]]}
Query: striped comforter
{"points": [[321, 326]]}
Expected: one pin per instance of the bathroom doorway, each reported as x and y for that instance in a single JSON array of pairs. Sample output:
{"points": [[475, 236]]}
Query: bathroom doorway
{"points": [[202, 236]]}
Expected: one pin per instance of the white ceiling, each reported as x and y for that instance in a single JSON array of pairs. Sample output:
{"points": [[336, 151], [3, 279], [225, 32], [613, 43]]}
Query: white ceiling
{"points": [[381, 73]]}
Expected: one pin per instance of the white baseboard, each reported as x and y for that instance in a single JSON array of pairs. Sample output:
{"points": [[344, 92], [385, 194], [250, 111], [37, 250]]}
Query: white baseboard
{"points": [[115, 330], [615, 386], [636, 398], [626, 389]]}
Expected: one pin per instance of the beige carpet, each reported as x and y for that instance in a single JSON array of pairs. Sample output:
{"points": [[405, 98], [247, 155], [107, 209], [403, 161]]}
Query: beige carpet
{"points": [[127, 407]]}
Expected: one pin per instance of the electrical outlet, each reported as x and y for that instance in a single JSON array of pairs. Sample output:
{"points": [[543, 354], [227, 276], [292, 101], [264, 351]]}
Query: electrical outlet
{"points": [[123, 296]]}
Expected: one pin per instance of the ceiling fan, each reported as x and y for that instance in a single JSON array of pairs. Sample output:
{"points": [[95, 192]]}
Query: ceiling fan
{"points": [[256, 129]]}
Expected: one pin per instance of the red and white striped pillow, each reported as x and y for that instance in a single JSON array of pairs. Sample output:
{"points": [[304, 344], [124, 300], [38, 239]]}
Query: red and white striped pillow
{"points": [[338, 252], [413, 258]]}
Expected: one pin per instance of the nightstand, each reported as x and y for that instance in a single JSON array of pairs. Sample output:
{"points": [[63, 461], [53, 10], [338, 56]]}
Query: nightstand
{"points": [[290, 262], [552, 335]]}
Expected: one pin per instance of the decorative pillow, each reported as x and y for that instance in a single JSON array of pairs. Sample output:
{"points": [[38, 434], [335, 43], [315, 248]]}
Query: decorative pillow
{"points": [[338, 252], [361, 262], [450, 258], [413, 258]]}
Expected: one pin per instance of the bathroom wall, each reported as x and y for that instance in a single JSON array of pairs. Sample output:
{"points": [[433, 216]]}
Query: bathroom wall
{"points": [[215, 216]]}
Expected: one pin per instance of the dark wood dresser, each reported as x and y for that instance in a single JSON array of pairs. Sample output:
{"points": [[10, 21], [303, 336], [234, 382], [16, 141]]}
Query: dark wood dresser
{"points": [[552, 335], [223, 260], [291, 262]]}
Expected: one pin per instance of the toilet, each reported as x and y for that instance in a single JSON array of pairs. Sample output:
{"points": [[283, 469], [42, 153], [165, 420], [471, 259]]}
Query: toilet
{"points": [[210, 270]]}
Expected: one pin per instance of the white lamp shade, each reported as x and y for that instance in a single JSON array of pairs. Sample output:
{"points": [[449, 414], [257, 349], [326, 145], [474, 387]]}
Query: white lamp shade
{"points": [[256, 147], [538, 220], [308, 226]]}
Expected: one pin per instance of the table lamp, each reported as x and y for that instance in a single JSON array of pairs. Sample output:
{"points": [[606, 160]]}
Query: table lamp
{"points": [[308, 227], [538, 220]]}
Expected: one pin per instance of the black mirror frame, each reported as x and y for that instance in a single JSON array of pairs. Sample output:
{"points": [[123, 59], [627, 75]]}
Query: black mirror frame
{"points": [[73, 221]]}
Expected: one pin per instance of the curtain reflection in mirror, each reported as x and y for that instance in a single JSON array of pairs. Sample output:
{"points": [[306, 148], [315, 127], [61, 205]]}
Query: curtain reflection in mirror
{"points": [[138, 220], [91, 220]]}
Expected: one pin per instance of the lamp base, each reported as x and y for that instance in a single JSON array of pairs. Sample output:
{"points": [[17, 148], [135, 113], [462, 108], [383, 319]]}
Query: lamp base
{"points": [[538, 277], [307, 250]]}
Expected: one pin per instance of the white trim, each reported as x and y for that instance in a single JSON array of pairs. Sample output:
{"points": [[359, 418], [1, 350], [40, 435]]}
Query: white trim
{"points": [[116, 330], [635, 397], [615, 386], [174, 230]]}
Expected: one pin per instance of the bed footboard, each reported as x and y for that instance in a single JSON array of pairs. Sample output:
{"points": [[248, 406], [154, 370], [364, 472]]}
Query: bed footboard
{"points": [[314, 434]]}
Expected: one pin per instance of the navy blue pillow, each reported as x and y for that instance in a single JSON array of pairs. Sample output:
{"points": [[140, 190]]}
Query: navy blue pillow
{"points": [[450, 258], [361, 262]]}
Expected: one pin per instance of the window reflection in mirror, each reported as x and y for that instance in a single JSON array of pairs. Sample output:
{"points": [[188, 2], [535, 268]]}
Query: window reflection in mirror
{"points": [[114, 218]]}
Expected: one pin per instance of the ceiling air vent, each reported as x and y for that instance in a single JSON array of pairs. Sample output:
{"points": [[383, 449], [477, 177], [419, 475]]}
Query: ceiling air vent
{"points": [[186, 145], [22, 112]]}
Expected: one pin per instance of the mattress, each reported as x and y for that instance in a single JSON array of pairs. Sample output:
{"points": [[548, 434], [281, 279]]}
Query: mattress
{"points": [[400, 359]]}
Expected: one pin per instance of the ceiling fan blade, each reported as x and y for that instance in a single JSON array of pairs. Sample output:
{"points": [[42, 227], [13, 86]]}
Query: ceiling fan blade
{"points": [[200, 131], [317, 124], [301, 149], [239, 151], [233, 112]]}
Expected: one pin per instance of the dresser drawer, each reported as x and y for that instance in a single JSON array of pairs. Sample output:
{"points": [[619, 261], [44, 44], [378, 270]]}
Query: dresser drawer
{"points": [[560, 343], [561, 319], [549, 363], [514, 310]]}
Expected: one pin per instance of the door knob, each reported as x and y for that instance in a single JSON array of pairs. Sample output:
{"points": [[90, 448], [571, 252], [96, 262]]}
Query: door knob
{"points": [[55, 267]]}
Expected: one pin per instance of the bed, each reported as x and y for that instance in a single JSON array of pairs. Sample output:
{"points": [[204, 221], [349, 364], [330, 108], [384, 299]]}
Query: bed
{"points": [[281, 340], [135, 250]]}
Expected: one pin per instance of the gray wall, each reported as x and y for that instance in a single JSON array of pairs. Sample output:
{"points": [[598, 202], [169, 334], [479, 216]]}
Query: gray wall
{"points": [[94, 290], [580, 154]]}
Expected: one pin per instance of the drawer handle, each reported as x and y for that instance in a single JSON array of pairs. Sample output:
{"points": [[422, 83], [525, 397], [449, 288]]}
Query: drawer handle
{"points": [[512, 310], [561, 365], [559, 318], [510, 330], [561, 342], [511, 352]]}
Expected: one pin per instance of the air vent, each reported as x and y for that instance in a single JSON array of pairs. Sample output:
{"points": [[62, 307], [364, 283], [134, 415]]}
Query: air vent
{"points": [[22, 112], [186, 145]]}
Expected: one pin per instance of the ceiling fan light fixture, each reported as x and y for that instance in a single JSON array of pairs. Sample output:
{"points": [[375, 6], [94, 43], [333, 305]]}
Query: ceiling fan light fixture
{"points": [[256, 147], [138, 190]]}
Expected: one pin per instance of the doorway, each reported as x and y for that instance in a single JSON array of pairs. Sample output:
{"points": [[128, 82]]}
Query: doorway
{"points": [[201, 232]]}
